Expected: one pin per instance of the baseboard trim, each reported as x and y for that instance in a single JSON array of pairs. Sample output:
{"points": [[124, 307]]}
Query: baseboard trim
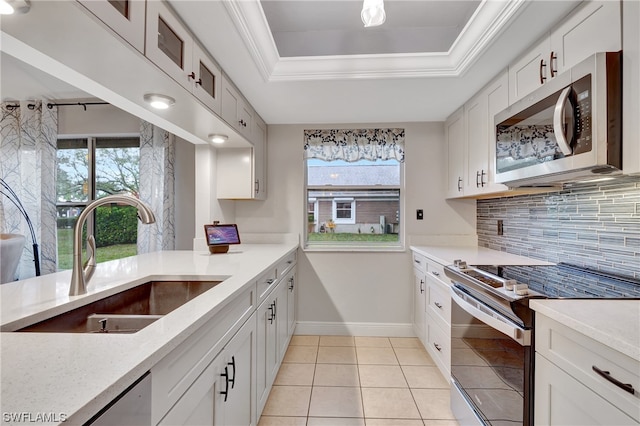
{"points": [[354, 329]]}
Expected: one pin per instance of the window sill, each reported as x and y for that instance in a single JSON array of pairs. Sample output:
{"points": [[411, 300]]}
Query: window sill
{"points": [[353, 249]]}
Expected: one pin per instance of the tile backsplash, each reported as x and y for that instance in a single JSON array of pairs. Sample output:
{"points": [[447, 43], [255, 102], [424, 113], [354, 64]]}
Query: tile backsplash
{"points": [[594, 225]]}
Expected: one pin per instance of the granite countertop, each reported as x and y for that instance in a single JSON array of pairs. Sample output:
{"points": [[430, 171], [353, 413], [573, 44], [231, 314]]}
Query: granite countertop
{"points": [[76, 375], [474, 255], [612, 322]]}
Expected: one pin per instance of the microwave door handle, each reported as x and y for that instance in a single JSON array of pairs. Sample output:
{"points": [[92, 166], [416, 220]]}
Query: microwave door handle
{"points": [[562, 139]]}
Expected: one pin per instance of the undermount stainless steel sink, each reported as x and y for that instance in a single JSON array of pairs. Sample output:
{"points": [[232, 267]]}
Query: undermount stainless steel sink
{"points": [[125, 312]]}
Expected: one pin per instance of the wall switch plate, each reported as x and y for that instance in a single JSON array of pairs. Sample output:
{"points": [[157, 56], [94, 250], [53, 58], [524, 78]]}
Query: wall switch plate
{"points": [[419, 214], [500, 227]]}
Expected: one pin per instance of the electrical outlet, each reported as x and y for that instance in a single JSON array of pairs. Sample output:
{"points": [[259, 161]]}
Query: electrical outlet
{"points": [[500, 227], [419, 214]]}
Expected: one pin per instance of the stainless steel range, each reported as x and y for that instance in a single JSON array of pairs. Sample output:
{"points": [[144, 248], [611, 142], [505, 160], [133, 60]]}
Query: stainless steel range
{"points": [[492, 332]]}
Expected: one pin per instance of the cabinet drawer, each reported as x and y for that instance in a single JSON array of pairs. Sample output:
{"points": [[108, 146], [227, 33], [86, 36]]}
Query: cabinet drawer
{"points": [[285, 265], [436, 270], [439, 347], [172, 376], [419, 261], [266, 283], [577, 354], [439, 301]]}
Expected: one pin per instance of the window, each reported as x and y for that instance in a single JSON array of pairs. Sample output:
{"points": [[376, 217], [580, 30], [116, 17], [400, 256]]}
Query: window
{"points": [[88, 169], [344, 210], [354, 201]]}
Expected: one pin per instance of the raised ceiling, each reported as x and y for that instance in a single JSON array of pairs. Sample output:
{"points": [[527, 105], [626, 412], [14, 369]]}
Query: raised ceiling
{"points": [[329, 28]]}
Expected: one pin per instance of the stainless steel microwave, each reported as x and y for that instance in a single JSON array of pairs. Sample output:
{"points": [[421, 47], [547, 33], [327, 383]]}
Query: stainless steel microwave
{"points": [[569, 129]]}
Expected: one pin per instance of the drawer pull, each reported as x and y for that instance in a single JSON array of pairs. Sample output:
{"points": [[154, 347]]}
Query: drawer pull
{"points": [[270, 281], [421, 288], [233, 365], [438, 305], [436, 273], [417, 261], [607, 375], [438, 347]]}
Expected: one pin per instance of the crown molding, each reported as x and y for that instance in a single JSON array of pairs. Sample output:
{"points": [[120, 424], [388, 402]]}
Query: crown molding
{"points": [[489, 20]]}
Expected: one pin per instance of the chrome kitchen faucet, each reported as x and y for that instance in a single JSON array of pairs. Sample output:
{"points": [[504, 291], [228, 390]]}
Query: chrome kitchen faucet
{"points": [[82, 273]]}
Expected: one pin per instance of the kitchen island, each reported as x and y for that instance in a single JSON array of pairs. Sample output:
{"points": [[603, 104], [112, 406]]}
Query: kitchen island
{"points": [[75, 375]]}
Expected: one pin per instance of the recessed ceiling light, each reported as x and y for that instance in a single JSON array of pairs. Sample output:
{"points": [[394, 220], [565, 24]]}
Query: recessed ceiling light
{"points": [[159, 101], [10, 7], [215, 138]]}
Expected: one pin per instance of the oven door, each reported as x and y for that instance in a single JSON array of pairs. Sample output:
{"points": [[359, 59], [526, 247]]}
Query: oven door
{"points": [[490, 365]]}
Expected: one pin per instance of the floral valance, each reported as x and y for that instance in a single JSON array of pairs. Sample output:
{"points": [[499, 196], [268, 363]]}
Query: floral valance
{"points": [[354, 145]]}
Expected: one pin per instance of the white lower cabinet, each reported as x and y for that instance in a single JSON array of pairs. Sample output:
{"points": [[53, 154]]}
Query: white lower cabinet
{"points": [[579, 381], [222, 374], [419, 297], [222, 394]]}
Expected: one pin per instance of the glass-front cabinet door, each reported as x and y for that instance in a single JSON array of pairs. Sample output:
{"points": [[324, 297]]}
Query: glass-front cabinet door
{"points": [[169, 45], [125, 17], [208, 79]]}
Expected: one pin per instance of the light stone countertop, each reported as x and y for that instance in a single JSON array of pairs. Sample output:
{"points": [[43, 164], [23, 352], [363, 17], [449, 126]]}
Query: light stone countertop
{"points": [[614, 323], [474, 255], [78, 374]]}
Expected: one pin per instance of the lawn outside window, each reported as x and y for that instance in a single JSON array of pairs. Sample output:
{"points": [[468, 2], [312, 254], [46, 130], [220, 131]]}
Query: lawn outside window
{"points": [[353, 189]]}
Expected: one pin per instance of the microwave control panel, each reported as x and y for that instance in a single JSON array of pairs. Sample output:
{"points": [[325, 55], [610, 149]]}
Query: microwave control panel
{"points": [[583, 111]]}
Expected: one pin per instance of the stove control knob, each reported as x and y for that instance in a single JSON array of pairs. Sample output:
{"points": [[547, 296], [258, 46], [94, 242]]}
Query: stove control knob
{"points": [[508, 284], [521, 289], [460, 264]]}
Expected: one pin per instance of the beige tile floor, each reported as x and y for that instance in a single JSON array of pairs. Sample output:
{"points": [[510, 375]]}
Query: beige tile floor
{"points": [[357, 381]]}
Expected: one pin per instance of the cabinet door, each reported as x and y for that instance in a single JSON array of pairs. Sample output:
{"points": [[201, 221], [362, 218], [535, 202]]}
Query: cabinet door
{"points": [[197, 405], [207, 78], [282, 320], [266, 352], [455, 135], [530, 71], [238, 408], [169, 45], [497, 95], [235, 173], [594, 27], [477, 137], [125, 17], [419, 305], [631, 86], [562, 400], [292, 287], [259, 138], [235, 110]]}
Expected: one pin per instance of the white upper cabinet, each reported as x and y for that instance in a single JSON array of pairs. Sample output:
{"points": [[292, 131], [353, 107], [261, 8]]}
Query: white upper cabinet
{"points": [[481, 136], [530, 71], [595, 26], [259, 138], [125, 17], [235, 110], [454, 133], [171, 47], [471, 142]]}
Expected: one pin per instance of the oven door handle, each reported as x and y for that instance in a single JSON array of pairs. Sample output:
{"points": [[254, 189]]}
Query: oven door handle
{"points": [[520, 335]]}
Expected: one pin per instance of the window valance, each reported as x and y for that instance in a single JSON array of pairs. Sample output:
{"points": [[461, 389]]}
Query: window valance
{"points": [[354, 145]]}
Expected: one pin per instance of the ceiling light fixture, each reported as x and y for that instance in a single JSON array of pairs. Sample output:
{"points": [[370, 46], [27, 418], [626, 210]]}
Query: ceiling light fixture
{"points": [[159, 101], [373, 13], [215, 138], [10, 7]]}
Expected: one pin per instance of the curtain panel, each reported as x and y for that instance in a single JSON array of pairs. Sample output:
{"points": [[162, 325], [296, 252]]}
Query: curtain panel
{"points": [[157, 188], [353, 145], [28, 138]]}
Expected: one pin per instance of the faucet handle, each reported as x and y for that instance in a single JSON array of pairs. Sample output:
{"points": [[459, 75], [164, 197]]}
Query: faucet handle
{"points": [[89, 266]]}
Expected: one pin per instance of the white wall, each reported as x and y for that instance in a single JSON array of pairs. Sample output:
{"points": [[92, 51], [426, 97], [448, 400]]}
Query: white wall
{"points": [[357, 293]]}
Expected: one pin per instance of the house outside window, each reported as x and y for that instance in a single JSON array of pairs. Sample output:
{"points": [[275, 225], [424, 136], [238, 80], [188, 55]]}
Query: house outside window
{"points": [[354, 198]]}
